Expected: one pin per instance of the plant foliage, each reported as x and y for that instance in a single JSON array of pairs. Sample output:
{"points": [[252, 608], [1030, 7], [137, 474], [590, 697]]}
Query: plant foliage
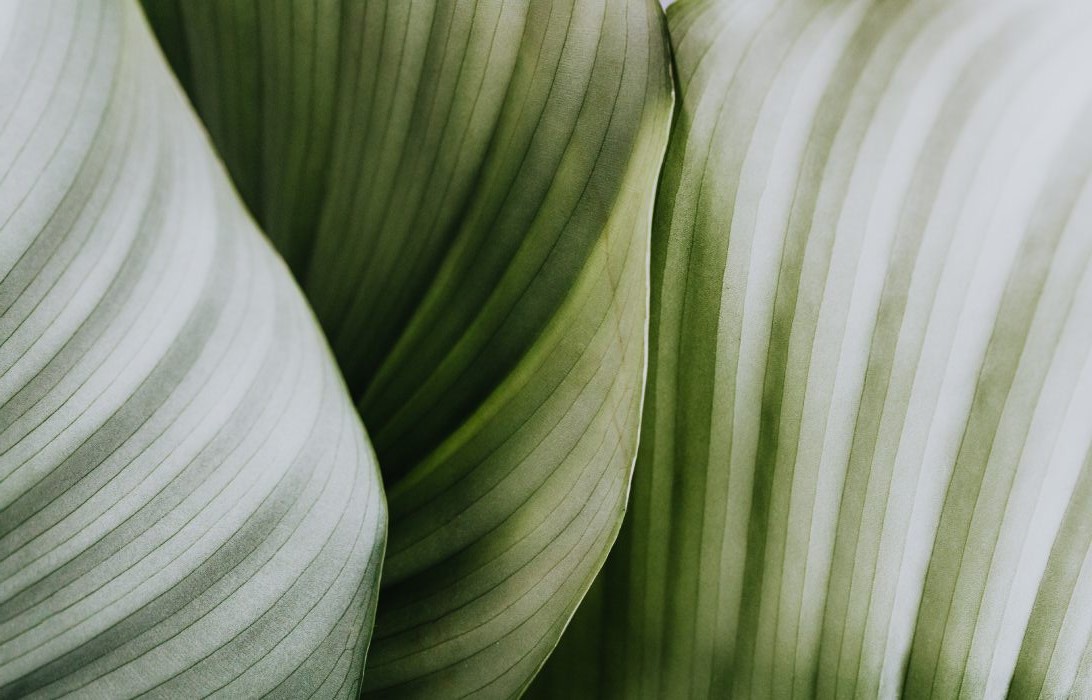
{"points": [[835, 302]]}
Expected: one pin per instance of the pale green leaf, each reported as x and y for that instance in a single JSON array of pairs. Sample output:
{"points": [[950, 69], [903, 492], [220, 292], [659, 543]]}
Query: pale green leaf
{"points": [[865, 464], [464, 190], [188, 502]]}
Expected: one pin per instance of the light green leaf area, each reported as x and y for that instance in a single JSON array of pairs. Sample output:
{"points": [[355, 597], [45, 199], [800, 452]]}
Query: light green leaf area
{"points": [[188, 503], [464, 190], [865, 466]]}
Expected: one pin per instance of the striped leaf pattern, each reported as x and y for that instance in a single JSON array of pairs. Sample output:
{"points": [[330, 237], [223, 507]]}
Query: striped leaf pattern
{"points": [[188, 503], [464, 190], [865, 466]]}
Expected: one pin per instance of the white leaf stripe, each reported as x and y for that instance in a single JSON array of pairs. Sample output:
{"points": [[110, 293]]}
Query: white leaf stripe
{"points": [[189, 503]]}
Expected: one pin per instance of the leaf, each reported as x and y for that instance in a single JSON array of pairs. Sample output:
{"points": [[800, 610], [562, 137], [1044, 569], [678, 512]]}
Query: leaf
{"points": [[482, 177], [864, 468], [188, 503]]}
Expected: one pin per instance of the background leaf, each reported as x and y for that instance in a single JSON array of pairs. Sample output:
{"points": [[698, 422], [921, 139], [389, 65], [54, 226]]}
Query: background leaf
{"points": [[865, 461], [188, 503], [470, 221]]}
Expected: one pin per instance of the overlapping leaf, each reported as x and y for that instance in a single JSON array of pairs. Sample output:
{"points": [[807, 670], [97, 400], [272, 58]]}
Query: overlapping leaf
{"points": [[864, 468], [464, 190], [188, 503]]}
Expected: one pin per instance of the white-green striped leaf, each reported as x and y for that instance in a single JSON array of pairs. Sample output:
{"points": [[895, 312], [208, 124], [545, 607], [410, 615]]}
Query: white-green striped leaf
{"points": [[188, 502], [865, 462], [464, 190]]}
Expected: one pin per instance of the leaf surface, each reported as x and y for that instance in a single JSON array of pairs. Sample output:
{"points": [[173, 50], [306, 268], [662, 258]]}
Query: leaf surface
{"points": [[464, 190], [188, 503], [865, 455]]}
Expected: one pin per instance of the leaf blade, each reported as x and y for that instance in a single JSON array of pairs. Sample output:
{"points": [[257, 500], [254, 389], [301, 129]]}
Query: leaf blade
{"points": [[189, 501], [850, 265], [480, 266]]}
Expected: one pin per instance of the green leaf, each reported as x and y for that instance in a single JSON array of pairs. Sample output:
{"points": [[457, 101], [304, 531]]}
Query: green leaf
{"points": [[188, 502], [865, 464], [464, 191]]}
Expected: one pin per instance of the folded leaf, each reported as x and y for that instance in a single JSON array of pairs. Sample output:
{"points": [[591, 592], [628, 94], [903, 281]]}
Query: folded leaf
{"points": [[865, 463], [188, 502], [464, 191]]}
